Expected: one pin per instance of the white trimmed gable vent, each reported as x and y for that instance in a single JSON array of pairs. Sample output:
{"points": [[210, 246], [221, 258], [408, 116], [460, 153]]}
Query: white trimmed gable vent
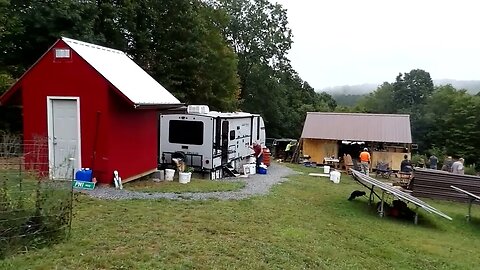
{"points": [[62, 53]]}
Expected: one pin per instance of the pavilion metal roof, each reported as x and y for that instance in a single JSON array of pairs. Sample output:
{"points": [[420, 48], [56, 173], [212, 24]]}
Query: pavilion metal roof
{"points": [[393, 128]]}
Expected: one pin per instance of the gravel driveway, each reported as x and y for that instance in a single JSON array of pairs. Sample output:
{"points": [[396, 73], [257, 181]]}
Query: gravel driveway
{"points": [[257, 184]]}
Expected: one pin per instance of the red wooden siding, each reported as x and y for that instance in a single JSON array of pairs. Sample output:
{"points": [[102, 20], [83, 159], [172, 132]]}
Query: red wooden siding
{"points": [[133, 139], [73, 78]]}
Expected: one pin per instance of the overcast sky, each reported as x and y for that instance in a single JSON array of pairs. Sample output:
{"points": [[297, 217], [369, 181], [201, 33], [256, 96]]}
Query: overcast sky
{"points": [[346, 42]]}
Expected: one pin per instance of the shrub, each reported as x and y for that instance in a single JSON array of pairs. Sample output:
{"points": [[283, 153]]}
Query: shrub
{"points": [[34, 213], [418, 160], [470, 170]]}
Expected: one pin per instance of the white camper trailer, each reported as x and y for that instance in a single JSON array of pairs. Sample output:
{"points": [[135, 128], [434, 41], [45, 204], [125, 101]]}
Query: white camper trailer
{"points": [[209, 141]]}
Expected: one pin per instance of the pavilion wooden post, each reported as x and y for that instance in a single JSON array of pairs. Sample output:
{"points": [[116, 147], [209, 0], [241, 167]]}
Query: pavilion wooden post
{"points": [[296, 154]]}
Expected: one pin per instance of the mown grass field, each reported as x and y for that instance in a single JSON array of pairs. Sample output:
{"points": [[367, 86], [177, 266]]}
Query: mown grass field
{"points": [[303, 223]]}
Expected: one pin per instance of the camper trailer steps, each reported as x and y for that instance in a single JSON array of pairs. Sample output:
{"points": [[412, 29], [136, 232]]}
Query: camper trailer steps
{"points": [[229, 171]]}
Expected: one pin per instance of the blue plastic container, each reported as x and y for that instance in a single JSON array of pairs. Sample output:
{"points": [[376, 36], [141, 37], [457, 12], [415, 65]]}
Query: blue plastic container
{"points": [[262, 170], [84, 175]]}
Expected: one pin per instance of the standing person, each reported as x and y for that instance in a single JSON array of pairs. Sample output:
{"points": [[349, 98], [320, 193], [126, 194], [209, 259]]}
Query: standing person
{"points": [[457, 166], [433, 162], [365, 161], [258, 153], [288, 150], [447, 164]]}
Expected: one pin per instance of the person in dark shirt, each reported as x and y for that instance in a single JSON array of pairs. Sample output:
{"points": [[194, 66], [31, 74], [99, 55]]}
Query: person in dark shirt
{"points": [[406, 165], [433, 162]]}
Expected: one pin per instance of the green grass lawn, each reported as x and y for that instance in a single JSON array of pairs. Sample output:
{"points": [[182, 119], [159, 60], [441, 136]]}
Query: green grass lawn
{"points": [[306, 222], [195, 185]]}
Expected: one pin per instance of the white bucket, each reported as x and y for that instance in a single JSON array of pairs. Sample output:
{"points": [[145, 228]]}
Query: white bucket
{"points": [[162, 175], [249, 169], [246, 169], [335, 177], [326, 169], [169, 173], [253, 168], [184, 177]]}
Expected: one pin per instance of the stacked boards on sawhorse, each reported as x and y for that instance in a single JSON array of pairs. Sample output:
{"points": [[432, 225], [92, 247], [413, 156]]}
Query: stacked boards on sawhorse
{"points": [[372, 183], [471, 198]]}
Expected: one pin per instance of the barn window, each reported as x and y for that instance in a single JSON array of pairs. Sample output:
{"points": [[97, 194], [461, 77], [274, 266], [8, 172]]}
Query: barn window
{"points": [[232, 135], [186, 132], [62, 53]]}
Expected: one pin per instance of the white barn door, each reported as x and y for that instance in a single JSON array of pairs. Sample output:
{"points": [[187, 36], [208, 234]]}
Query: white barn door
{"points": [[64, 137]]}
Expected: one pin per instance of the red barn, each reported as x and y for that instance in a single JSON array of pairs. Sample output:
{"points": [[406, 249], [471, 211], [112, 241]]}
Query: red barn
{"points": [[94, 104]]}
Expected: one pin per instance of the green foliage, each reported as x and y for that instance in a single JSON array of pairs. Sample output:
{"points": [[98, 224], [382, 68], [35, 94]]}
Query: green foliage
{"points": [[379, 101], [6, 81], [190, 56], [347, 100], [452, 121], [33, 26], [189, 169], [259, 34], [419, 160], [412, 89], [33, 213], [470, 170]]}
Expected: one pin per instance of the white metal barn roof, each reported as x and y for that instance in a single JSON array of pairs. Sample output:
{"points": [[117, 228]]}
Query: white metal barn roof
{"points": [[123, 73]]}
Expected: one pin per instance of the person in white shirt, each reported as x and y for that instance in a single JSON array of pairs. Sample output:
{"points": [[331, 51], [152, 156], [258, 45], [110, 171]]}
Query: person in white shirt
{"points": [[457, 166]]}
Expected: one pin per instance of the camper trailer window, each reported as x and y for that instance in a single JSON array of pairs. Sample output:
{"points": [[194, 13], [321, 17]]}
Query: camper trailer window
{"points": [[186, 132], [232, 135]]}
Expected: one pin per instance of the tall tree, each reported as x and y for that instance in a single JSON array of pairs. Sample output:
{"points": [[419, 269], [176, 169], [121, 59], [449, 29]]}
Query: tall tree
{"points": [[35, 25], [412, 89], [259, 35], [380, 101], [190, 55], [452, 121]]}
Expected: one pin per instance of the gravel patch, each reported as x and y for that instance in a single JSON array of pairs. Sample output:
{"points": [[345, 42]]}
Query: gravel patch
{"points": [[257, 184]]}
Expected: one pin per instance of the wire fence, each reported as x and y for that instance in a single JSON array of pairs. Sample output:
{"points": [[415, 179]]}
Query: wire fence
{"points": [[35, 211]]}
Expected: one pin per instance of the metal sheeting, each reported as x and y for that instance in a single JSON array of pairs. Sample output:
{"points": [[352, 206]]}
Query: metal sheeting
{"points": [[398, 193], [394, 128], [123, 73], [471, 195], [436, 184]]}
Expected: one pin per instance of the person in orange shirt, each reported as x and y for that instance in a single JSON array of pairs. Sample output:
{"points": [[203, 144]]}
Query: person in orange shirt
{"points": [[365, 161]]}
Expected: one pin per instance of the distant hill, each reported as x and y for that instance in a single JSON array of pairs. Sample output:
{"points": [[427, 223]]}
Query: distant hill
{"points": [[348, 95], [358, 89], [472, 87]]}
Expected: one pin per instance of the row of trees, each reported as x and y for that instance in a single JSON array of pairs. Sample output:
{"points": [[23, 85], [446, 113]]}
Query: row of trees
{"points": [[444, 119], [229, 54]]}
